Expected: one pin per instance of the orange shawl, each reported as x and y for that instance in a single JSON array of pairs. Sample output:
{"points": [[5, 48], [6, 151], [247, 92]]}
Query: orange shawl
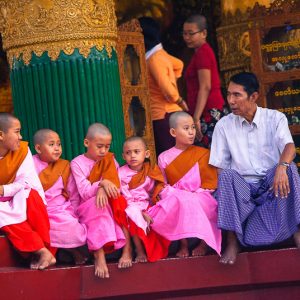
{"points": [[154, 173], [11, 162], [186, 160], [106, 169], [52, 172]]}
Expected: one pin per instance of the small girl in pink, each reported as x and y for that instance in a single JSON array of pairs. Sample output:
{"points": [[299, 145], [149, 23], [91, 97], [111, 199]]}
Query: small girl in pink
{"points": [[103, 233], [61, 194], [182, 166]]}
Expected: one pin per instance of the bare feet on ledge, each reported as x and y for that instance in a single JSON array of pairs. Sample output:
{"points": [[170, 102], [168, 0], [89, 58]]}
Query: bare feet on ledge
{"points": [[201, 249], [101, 269], [126, 259], [42, 259], [232, 249], [184, 250], [141, 257]]}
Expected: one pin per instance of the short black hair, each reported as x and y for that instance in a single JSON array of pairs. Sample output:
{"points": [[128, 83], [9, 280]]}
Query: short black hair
{"points": [[199, 20], [151, 32], [248, 80]]}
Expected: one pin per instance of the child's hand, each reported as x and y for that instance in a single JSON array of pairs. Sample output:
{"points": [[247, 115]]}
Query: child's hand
{"points": [[111, 190], [148, 219], [101, 198]]}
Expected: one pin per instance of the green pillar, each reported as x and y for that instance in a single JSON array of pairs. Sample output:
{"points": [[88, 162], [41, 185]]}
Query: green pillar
{"points": [[66, 79]]}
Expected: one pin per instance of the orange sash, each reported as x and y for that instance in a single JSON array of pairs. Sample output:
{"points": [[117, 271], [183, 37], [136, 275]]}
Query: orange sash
{"points": [[154, 173], [106, 169], [186, 160], [11, 162], [52, 172]]}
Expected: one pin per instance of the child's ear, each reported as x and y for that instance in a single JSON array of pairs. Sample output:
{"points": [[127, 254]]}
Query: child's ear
{"points": [[37, 148], [173, 132], [147, 153], [1, 135], [86, 143], [123, 156]]}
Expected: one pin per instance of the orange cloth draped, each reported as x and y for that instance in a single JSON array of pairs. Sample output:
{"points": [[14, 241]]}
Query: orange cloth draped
{"points": [[105, 169], [186, 160], [154, 173], [11, 162], [53, 171], [32, 234]]}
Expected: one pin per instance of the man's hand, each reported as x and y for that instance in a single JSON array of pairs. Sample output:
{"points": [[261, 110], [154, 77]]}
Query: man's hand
{"points": [[111, 190], [101, 198], [281, 185]]}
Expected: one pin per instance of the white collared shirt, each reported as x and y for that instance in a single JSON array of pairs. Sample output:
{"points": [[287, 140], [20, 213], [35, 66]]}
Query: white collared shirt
{"points": [[250, 149], [153, 50]]}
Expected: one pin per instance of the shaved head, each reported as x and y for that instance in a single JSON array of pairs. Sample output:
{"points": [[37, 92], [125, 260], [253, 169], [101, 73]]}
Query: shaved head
{"points": [[41, 135], [97, 129], [173, 121], [6, 120], [135, 139]]}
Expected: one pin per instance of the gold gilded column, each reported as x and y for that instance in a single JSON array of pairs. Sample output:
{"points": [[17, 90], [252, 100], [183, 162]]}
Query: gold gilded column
{"points": [[64, 69]]}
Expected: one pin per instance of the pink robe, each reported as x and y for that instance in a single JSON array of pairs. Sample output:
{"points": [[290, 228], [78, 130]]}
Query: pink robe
{"points": [[13, 204], [65, 229], [193, 212], [101, 227]]}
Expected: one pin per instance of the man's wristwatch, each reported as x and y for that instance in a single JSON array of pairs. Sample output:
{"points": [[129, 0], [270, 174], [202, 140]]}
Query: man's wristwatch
{"points": [[284, 163]]}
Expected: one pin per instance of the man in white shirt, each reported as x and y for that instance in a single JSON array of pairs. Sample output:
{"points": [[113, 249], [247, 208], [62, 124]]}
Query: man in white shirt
{"points": [[259, 186]]}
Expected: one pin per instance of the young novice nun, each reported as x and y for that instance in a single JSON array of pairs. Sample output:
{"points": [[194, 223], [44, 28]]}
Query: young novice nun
{"points": [[61, 194], [141, 181], [187, 171], [97, 180], [23, 214]]}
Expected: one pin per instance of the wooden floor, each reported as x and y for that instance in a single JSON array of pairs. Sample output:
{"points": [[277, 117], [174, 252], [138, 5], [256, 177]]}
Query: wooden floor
{"points": [[273, 274]]}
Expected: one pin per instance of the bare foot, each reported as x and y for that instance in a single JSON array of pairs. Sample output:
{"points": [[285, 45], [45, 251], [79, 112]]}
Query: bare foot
{"points": [[230, 254], [201, 249], [141, 256], [126, 259], [42, 259], [184, 250], [78, 256], [297, 238], [101, 269]]}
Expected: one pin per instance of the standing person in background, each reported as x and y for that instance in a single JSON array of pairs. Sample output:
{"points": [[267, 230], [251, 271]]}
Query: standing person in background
{"points": [[202, 79], [163, 72]]}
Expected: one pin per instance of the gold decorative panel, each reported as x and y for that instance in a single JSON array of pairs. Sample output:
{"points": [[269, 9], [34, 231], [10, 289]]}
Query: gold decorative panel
{"points": [[134, 83]]}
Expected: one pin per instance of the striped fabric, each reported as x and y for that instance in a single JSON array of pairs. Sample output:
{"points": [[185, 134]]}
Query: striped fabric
{"points": [[253, 212]]}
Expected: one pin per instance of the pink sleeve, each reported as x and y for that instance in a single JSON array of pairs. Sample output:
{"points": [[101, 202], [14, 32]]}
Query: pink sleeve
{"points": [[84, 186], [26, 178], [203, 59], [73, 193]]}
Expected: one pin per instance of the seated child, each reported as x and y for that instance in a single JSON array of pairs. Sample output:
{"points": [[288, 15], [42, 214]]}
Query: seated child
{"points": [[61, 194], [97, 181], [187, 171], [23, 214], [138, 180]]}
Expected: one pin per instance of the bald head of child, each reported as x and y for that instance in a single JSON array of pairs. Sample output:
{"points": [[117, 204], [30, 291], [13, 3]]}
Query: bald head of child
{"points": [[135, 152], [182, 128], [10, 133], [97, 141], [47, 144]]}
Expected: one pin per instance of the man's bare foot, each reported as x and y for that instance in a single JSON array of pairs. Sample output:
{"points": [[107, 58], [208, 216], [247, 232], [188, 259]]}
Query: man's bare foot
{"points": [[230, 254], [42, 259], [78, 256], [297, 238], [201, 249], [101, 269], [126, 259], [184, 250]]}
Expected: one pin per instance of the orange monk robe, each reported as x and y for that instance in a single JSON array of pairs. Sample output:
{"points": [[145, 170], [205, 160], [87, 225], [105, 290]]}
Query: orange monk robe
{"points": [[33, 233], [106, 169], [186, 160]]}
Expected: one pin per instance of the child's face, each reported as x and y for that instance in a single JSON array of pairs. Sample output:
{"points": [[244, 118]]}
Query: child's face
{"points": [[98, 146], [184, 132], [10, 140], [50, 150], [134, 153]]}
